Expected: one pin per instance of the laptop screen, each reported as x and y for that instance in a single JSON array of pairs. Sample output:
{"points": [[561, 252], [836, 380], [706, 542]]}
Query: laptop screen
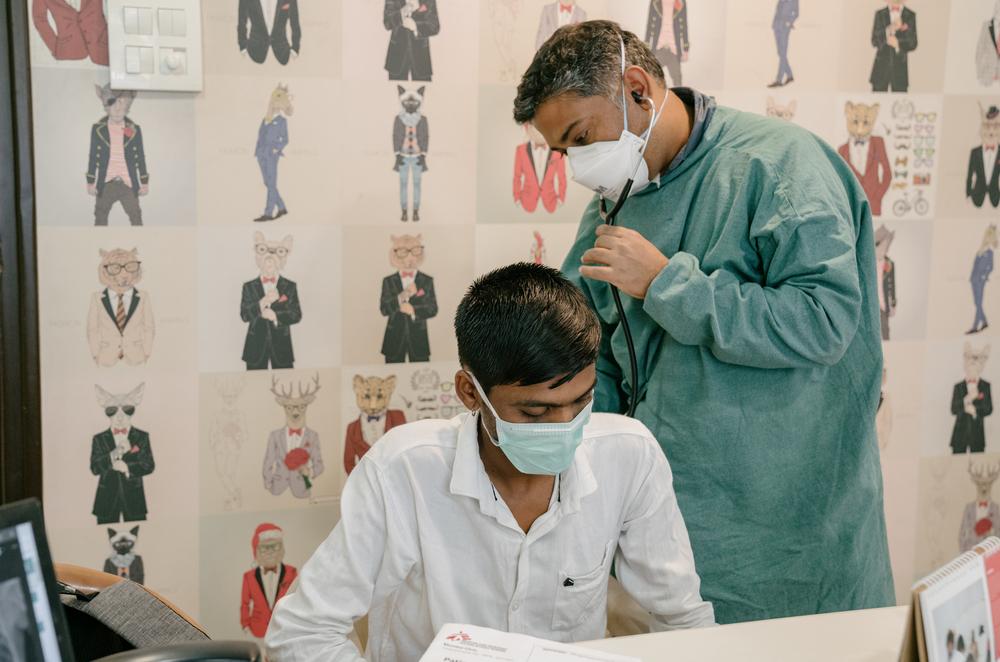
{"points": [[30, 628]]}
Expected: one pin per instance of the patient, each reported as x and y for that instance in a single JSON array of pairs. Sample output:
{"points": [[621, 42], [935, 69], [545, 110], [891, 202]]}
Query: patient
{"points": [[510, 517]]}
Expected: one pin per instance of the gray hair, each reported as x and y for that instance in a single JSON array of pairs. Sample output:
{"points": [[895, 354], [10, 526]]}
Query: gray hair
{"points": [[582, 59]]}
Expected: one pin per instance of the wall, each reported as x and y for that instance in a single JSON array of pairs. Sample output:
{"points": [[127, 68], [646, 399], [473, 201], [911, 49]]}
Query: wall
{"points": [[209, 419]]}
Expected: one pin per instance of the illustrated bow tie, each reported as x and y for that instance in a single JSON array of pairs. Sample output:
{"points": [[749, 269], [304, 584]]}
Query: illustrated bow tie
{"points": [[566, 8], [119, 430], [273, 571], [294, 431], [860, 142], [372, 419], [896, 7], [989, 148], [266, 280], [984, 503], [407, 274]]}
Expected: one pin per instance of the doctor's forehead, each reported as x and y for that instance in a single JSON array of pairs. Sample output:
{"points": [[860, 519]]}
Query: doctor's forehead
{"points": [[557, 118]]}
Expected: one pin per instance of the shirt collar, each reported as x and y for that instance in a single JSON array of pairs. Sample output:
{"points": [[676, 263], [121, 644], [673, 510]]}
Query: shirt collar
{"points": [[468, 475], [703, 108]]}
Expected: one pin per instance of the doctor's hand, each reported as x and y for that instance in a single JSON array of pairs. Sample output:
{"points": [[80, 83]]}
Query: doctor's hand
{"points": [[624, 258]]}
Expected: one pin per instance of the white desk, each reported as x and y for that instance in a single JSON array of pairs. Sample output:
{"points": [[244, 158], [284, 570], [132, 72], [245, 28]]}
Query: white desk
{"points": [[855, 636]]}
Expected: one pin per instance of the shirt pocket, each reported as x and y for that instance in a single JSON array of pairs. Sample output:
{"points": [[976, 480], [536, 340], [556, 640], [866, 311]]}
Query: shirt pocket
{"points": [[579, 592]]}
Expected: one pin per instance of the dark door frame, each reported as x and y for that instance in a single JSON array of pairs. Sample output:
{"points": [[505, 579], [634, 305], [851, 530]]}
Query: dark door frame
{"points": [[20, 397]]}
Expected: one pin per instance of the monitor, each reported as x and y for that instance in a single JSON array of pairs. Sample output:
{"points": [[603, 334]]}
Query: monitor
{"points": [[33, 626]]}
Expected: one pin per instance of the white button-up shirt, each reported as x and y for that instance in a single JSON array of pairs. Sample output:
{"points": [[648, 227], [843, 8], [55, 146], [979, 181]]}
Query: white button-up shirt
{"points": [[859, 153], [424, 540]]}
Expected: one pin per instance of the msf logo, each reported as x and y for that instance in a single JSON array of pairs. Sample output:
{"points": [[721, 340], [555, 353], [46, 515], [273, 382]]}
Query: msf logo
{"points": [[458, 636]]}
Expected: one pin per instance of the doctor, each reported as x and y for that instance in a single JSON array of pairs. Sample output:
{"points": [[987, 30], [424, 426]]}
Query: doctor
{"points": [[747, 258], [510, 517]]}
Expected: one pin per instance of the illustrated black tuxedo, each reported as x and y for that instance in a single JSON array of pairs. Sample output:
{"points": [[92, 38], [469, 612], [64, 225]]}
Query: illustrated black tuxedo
{"points": [[256, 41], [267, 342], [968, 433], [120, 497], [890, 68], [977, 185], [409, 53], [406, 336]]}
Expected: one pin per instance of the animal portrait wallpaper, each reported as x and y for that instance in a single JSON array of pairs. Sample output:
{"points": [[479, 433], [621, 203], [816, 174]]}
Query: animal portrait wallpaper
{"points": [[242, 290]]}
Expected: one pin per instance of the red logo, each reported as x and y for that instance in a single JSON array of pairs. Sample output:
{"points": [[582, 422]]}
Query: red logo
{"points": [[458, 636]]}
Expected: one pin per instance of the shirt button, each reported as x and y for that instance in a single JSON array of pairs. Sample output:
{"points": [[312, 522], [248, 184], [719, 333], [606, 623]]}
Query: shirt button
{"points": [[515, 606]]}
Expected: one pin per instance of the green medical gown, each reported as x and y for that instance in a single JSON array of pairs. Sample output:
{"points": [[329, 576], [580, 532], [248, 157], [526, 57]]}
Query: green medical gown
{"points": [[760, 363]]}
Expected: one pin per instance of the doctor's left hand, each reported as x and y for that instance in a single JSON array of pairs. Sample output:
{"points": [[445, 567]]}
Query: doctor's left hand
{"points": [[624, 258]]}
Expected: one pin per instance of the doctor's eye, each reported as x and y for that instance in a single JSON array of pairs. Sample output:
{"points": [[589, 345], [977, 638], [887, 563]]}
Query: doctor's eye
{"points": [[582, 138]]}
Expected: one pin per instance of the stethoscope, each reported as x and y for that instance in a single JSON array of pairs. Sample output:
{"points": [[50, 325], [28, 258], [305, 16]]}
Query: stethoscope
{"points": [[609, 219]]}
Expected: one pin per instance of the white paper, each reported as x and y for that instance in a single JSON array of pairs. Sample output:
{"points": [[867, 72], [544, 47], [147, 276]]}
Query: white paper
{"points": [[468, 643]]}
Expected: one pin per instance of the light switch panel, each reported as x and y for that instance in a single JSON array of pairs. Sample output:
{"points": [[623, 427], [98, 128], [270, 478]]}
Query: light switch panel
{"points": [[155, 44]]}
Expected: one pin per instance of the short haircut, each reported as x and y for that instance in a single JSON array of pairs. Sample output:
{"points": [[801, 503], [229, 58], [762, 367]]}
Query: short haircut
{"points": [[525, 324], [582, 59]]}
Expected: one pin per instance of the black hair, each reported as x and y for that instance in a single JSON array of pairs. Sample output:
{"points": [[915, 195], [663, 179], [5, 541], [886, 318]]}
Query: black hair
{"points": [[525, 324], [582, 59]]}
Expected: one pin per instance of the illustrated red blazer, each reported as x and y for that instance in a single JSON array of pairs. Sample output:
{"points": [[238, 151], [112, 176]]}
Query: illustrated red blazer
{"points": [[354, 443], [527, 190], [78, 34], [876, 175], [255, 612]]}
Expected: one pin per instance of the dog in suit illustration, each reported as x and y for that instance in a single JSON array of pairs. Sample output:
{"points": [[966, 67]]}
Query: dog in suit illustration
{"points": [[554, 16], [866, 153], [407, 301], [539, 173], [270, 306], [971, 402], [81, 30], [120, 457], [669, 39], [885, 270], [984, 168], [116, 166], [894, 36], [373, 395], [782, 112], [272, 137], [988, 49], [410, 140], [120, 322], [981, 518], [982, 267], [411, 24], [786, 12], [264, 25], [267, 581], [123, 560], [293, 457]]}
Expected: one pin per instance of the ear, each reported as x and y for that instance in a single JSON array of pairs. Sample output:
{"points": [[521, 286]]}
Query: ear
{"points": [[848, 109], [103, 253], [135, 397], [400, 89], [100, 92], [359, 382], [389, 383], [103, 397], [792, 105], [419, 238], [111, 533], [420, 90], [134, 531], [874, 110], [393, 239], [287, 242], [258, 237]]}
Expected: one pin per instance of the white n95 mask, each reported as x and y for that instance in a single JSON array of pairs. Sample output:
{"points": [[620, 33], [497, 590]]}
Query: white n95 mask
{"points": [[606, 167]]}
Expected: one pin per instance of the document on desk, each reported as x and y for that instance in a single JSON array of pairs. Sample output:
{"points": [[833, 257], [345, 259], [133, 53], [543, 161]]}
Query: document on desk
{"points": [[469, 643]]}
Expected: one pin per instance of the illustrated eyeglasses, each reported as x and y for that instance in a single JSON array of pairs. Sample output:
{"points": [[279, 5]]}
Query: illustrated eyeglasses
{"points": [[263, 249], [128, 410], [416, 251], [925, 141], [446, 386], [924, 151], [114, 269], [924, 163], [926, 117], [925, 129]]}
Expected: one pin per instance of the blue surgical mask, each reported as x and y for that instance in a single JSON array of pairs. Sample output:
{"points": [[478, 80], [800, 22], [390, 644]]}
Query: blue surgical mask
{"points": [[537, 448]]}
